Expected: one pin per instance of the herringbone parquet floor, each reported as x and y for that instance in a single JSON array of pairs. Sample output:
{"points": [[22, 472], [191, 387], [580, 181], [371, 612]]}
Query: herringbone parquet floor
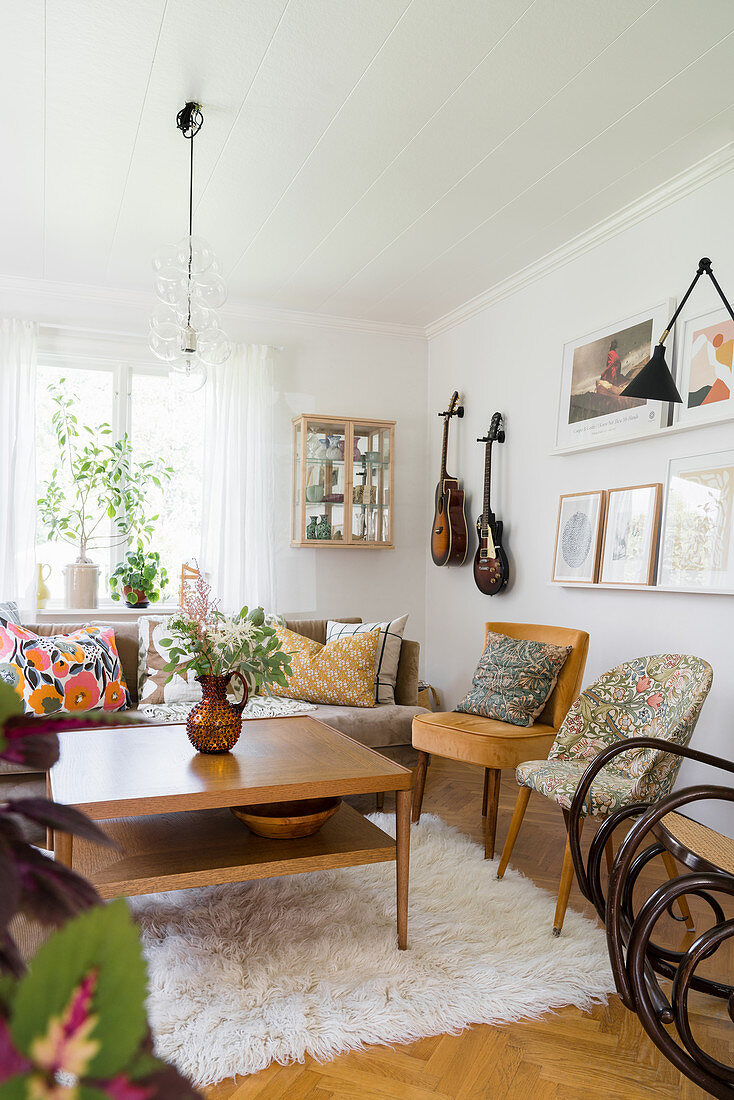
{"points": [[569, 1054]]}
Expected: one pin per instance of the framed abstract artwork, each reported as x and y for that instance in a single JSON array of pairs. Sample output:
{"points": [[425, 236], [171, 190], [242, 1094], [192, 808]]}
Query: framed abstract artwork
{"points": [[631, 528], [704, 372], [578, 537], [596, 369], [697, 543]]}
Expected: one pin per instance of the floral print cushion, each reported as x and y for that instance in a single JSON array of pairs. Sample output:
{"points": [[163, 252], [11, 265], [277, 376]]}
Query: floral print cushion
{"points": [[658, 696], [513, 679], [64, 672], [558, 779]]}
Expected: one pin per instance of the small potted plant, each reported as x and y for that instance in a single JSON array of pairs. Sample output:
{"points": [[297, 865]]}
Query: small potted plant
{"points": [[140, 577]]}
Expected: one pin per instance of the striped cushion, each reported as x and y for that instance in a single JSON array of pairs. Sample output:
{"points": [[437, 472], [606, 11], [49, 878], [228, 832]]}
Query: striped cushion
{"points": [[388, 651]]}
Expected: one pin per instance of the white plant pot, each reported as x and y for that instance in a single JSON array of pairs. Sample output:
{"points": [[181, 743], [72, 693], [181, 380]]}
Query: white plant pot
{"points": [[81, 582]]}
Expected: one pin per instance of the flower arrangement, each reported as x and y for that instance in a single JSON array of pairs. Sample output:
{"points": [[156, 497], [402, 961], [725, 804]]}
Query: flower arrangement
{"points": [[204, 640]]}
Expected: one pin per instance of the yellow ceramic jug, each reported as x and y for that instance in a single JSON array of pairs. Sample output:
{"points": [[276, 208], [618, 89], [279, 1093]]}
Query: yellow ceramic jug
{"points": [[42, 592]]}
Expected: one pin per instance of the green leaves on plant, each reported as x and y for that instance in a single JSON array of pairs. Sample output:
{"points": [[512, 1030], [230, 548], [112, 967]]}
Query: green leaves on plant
{"points": [[102, 942]]}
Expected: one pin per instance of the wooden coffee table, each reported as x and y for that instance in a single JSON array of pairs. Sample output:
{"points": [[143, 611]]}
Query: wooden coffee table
{"points": [[167, 806]]}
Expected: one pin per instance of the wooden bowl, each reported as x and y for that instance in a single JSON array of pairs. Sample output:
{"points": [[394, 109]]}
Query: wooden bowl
{"points": [[284, 820]]}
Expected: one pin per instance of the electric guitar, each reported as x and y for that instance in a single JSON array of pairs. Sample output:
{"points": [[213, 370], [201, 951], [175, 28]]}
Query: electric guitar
{"points": [[449, 534], [491, 567]]}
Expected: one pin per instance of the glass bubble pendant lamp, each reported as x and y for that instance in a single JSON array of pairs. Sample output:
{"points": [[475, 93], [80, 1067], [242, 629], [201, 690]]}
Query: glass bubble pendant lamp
{"points": [[184, 327]]}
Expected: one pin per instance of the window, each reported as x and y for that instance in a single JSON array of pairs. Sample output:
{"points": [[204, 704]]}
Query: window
{"points": [[162, 423]]}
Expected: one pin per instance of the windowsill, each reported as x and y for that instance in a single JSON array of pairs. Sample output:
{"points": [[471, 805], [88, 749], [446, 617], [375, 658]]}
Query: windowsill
{"points": [[108, 611]]}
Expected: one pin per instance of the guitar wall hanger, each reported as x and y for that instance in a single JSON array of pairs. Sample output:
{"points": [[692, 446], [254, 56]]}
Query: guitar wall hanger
{"points": [[458, 411]]}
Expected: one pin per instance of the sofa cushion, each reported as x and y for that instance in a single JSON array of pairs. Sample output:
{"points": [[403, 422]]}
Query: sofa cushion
{"points": [[64, 672], [388, 650], [155, 687], [380, 726], [127, 638], [513, 679], [341, 673]]}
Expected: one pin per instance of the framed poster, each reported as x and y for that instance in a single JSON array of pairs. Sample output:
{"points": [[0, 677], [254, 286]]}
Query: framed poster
{"points": [[704, 373], [578, 537], [596, 368], [697, 544], [631, 531]]}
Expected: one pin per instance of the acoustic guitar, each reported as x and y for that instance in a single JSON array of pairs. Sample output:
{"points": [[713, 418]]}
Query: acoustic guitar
{"points": [[491, 567], [449, 533]]}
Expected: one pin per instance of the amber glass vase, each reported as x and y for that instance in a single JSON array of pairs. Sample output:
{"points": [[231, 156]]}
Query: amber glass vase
{"points": [[215, 724]]}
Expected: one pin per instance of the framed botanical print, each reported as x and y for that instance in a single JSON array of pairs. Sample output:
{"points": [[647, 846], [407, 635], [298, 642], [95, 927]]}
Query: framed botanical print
{"points": [[697, 543], [704, 372], [596, 369], [631, 531], [578, 537]]}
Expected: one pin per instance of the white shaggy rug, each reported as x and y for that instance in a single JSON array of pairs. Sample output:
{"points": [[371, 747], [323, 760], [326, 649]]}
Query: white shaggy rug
{"points": [[246, 974]]}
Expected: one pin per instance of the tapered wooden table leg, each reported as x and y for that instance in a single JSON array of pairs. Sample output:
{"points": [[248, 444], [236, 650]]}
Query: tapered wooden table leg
{"points": [[419, 783], [63, 845], [402, 843], [493, 797]]}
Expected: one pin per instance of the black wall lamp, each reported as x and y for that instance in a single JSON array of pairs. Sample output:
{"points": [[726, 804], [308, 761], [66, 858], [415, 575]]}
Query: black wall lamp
{"points": [[655, 382]]}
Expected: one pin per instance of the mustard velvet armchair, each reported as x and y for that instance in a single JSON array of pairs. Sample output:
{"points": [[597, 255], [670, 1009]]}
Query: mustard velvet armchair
{"points": [[492, 744], [659, 697]]}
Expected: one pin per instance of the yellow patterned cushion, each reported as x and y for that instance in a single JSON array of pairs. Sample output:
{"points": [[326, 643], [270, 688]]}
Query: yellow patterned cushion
{"points": [[341, 672]]}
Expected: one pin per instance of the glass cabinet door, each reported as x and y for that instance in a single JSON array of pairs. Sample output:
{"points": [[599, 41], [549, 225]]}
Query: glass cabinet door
{"points": [[371, 490], [324, 480]]}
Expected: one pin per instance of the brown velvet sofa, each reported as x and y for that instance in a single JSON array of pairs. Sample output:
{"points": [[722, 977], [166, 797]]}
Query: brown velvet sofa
{"points": [[385, 727]]}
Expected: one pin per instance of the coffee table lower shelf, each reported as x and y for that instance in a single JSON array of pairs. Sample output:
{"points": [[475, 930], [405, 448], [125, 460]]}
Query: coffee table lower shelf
{"points": [[208, 847]]}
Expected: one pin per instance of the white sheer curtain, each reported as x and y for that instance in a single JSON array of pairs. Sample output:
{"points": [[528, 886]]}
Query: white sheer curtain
{"points": [[238, 529], [17, 458]]}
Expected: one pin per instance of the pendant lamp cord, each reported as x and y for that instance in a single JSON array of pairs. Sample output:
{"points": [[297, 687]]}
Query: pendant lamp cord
{"points": [[191, 224]]}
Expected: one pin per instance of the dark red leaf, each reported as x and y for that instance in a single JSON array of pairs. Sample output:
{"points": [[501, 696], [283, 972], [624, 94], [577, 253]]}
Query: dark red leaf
{"points": [[29, 745], [51, 892], [9, 885], [65, 818], [12, 1062], [10, 959]]}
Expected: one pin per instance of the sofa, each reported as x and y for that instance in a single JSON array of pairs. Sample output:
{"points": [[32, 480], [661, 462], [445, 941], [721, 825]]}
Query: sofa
{"points": [[385, 727]]}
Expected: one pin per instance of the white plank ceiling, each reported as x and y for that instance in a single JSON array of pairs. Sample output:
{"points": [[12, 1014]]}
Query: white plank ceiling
{"points": [[382, 159]]}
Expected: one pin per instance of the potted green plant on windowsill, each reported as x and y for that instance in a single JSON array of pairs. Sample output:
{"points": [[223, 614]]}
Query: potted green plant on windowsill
{"points": [[139, 578], [96, 496]]}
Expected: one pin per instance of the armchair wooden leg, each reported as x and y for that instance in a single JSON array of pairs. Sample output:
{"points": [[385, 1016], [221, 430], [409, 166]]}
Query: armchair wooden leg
{"points": [[564, 890], [521, 806], [485, 792], [380, 801], [419, 785], [493, 798], [672, 868]]}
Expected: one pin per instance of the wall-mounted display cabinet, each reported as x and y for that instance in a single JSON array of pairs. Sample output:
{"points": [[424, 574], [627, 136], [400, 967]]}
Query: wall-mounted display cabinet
{"points": [[343, 482]]}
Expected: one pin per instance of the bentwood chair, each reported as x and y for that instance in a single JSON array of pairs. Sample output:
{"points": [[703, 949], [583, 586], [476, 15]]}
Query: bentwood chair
{"points": [[492, 744], [657, 697], [639, 931]]}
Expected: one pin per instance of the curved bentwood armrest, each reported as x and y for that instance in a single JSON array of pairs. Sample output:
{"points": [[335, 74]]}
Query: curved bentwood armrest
{"points": [[635, 958]]}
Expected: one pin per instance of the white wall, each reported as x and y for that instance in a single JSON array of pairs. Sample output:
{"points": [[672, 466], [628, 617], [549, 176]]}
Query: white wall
{"points": [[508, 357], [322, 368]]}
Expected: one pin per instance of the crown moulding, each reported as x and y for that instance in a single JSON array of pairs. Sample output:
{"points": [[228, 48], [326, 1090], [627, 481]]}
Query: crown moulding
{"points": [[677, 187]]}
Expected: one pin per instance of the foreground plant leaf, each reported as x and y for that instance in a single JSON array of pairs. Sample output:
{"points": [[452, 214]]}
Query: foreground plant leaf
{"points": [[103, 941]]}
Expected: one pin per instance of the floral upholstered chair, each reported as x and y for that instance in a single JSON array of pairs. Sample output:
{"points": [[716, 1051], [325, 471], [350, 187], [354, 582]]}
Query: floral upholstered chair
{"points": [[657, 696]]}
